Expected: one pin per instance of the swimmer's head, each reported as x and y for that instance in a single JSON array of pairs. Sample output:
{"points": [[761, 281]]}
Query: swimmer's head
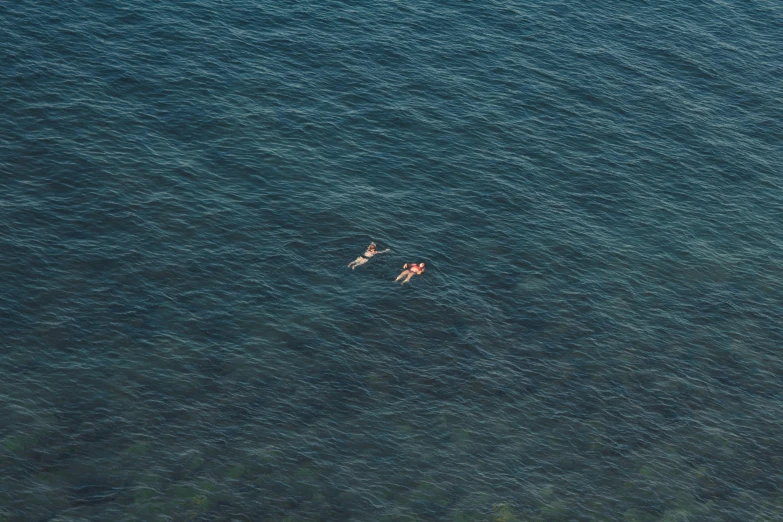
{"points": [[372, 246]]}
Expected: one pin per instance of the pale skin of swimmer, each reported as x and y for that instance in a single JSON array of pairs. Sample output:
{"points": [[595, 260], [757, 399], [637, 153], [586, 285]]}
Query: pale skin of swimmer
{"points": [[371, 251], [411, 270]]}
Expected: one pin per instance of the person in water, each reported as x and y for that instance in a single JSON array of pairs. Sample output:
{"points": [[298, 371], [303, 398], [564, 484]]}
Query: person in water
{"points": [[410, 270], [371, 251]]}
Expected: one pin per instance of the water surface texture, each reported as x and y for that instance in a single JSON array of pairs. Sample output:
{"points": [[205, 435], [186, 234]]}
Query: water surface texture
{"points": [[594, 185]]}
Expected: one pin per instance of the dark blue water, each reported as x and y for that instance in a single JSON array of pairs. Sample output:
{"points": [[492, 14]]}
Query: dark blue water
{"points": [[595, 187]]}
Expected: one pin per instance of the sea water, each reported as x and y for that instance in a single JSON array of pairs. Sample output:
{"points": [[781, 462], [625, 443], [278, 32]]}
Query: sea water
{"points": [[594, 186]]}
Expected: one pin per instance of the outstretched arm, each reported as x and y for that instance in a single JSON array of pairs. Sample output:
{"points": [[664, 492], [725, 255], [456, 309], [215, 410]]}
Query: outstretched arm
{"points": [[383, 251]]}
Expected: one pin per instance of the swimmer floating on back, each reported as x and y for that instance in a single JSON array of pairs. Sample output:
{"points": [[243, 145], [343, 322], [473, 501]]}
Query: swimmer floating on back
{"points": [[371, 251], [411, 269]]}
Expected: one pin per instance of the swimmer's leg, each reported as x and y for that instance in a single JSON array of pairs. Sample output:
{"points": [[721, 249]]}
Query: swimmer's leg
{"points": [[410, 274], [358, 262], [402, 274]]}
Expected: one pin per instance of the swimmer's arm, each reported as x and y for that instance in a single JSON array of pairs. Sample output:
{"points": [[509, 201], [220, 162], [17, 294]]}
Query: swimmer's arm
{"points": [[383, 251]]}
